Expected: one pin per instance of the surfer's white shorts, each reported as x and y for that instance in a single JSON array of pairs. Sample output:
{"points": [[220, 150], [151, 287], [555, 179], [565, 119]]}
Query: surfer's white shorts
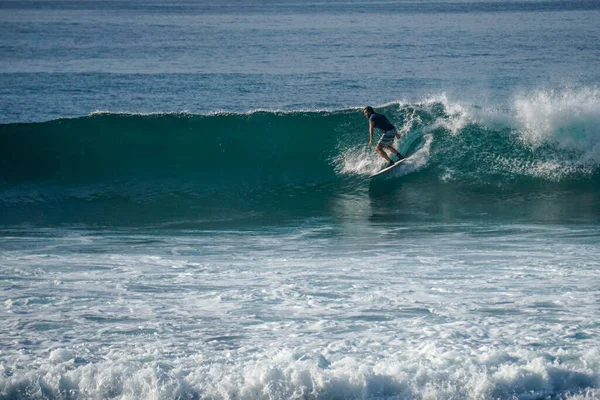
{"points": [[387, 139]]}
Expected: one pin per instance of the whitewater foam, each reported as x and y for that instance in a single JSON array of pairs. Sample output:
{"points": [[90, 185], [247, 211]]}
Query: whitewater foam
{"points": [[557, 131], [302, 313], [569, 118], [455, 117]]}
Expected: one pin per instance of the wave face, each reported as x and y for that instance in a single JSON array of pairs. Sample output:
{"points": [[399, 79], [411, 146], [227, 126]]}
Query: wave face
{"points": [[547, 139], [260, 146]]}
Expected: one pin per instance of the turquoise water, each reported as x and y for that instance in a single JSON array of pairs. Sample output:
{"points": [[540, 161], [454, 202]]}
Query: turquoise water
{"points": [[186, 209]]}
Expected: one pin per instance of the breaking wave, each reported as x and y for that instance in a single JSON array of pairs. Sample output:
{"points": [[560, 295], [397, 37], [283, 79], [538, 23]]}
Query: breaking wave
{"points": [[547, 137]]}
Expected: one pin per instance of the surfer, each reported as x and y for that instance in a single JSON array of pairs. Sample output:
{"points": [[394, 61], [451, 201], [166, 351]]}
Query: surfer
{"points": [[380, 122]]}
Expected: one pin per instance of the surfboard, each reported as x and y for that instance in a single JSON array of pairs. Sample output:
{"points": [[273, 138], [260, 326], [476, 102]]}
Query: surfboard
{"points": [[383, 171]]}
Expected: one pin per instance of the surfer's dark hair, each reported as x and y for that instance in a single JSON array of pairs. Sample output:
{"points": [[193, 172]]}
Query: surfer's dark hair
{"points": [[369, 109]]}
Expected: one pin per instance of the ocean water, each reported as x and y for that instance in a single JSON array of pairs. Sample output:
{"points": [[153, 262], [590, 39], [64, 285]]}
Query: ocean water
{"points": [[186, 210]]}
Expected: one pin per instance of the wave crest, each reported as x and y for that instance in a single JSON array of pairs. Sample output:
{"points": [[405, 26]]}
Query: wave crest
{"points": [[546, 135], [568, 119]]}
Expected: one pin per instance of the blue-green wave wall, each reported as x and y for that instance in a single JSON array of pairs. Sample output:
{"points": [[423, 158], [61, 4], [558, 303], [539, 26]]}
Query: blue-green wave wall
{"points": [[259, 146], [162, 166]]}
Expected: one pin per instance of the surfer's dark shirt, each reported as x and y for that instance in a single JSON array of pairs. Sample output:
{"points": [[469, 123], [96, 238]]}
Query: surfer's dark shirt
{"points": [[381, 122]]}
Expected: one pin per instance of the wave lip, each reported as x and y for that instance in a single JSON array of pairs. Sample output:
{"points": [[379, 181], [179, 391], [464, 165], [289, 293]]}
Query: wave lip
{"points": [[569, 119]]}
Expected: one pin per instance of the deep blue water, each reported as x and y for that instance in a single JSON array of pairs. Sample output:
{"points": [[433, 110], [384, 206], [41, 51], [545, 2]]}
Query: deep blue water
{"points": [[70, 58], [186, 209]]}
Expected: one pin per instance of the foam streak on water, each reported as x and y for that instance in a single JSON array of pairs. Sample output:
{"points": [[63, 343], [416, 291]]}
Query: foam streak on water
{"points": [[312, 311]]}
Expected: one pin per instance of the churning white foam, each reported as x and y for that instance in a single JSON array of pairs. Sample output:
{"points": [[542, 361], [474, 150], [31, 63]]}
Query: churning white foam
{"points": [[568, 118], [377, 313], [458, 115], [361, 160]]}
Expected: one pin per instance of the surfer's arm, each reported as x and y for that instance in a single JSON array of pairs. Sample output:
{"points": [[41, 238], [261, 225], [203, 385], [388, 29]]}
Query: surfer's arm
{"points": [[371, 126]]}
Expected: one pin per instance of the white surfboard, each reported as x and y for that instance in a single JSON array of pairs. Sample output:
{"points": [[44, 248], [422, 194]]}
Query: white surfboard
{"points": [[389, 168]]}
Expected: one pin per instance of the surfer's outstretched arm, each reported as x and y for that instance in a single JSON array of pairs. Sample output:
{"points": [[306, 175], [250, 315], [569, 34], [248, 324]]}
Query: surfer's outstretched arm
{"points": [[371, 126]]}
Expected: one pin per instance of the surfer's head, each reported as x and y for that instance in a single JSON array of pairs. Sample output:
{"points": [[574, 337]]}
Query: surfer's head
{"points": [[368, 111]]}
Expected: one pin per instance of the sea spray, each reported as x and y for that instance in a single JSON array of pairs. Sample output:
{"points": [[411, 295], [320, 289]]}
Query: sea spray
{"points": [[568, 119]]}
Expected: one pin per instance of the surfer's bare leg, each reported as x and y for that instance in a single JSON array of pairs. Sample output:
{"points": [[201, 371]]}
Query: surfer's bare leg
{"points": [[396, 152], [382, 153]]}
